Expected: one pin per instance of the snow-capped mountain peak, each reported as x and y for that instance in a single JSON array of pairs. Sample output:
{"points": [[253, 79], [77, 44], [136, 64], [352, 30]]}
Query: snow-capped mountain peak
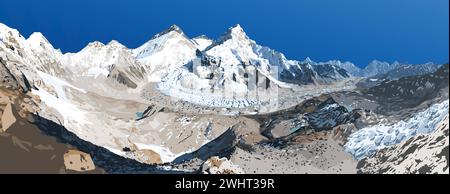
{"points": [[41, 46], [176, 28], [37, 39], [92, 46], [166, 51], [49, 57], [170, 36], [97, 58], [233, 47], [378, 67], [172, 29], [115, 43], [235, 33], [351, 68]]}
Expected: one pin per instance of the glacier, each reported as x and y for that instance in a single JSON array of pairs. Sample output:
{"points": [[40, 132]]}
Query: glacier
{"points": [[368, 140]]}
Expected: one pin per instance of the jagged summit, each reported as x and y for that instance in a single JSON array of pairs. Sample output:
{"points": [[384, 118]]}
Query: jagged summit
{"points": [[236, 32], [166, 51], [172, 28], [308, 60], [236, 29], [173, 32]]}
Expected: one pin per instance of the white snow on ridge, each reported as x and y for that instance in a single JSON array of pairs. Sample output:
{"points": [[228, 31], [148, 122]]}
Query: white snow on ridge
{"points": [[202, 42], [234, 48], [36, 39], [71, 114], [165, 53], [69, 111], [58, 84], [367, 141]]}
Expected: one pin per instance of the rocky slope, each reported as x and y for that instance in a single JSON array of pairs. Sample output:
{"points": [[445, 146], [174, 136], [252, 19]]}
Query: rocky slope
{"points": [[24, 148], [377, 71], [407, 92], [315, 114], [406, 70], [399, 71]]}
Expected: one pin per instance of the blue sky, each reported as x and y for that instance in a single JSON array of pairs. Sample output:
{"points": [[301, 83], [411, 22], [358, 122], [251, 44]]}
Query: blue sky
{"points": [[413, 31]]}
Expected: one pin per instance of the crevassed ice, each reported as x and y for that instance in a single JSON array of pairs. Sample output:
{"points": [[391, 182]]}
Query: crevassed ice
{"points": [[171, 86], [367, 141]]}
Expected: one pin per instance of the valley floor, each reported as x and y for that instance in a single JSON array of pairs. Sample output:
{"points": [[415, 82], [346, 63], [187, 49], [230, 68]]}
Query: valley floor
{"points": [[318, 157]]}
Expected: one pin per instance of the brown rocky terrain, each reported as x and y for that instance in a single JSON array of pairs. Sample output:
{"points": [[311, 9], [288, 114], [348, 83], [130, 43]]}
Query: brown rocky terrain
{"points": [[23, 146]]}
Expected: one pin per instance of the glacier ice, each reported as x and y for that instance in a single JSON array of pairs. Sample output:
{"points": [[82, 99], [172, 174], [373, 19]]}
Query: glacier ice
{"points": [[368, 140]]}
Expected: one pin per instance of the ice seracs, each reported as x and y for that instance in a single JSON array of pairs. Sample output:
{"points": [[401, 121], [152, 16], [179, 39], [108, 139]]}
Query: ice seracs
{"points": [[367, 141], [429, 156]]}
